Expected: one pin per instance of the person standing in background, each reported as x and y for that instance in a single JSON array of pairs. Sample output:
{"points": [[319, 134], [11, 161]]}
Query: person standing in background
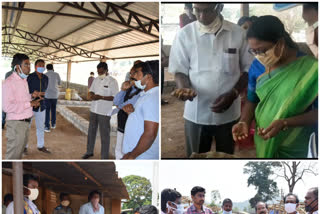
{"points": [[187, 17]]}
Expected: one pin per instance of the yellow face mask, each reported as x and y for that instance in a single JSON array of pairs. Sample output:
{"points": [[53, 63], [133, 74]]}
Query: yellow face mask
{"points": [[270, 58]]}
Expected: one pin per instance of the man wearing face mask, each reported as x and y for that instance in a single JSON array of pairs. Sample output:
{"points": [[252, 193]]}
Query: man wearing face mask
{"points": [[38, 81], [129, 94], [171, 202], [198, 198], [210, 72], [310, 15], [30, 192], [261, 208], [227, 206], [93, 206], [17, 103], [311, 201], [102, 92], [64, 207], [291, 203], [141, 137], [187, 17]]}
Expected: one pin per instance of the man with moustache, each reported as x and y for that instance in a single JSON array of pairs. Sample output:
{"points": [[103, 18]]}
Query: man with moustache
{"points": [[311, 201], [227, 206], [261, 208], [198, 198]]}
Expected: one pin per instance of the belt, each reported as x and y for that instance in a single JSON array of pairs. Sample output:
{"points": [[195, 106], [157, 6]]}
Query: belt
{"points": [[26, 120]]}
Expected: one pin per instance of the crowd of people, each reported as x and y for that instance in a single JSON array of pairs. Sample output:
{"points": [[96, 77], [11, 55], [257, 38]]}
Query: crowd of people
{"points": [[214, 61], [171, 203], [34, 96]]}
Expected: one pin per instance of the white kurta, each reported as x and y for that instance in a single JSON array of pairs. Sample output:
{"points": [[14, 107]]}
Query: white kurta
{"points": [[212, 67]]}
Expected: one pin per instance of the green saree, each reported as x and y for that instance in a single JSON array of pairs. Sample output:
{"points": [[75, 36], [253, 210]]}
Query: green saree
{"points": [[286, 92]]}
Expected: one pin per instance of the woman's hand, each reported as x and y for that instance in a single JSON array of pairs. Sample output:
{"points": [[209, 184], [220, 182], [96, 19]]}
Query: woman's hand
{"points": [[274, 129], [240, 131]]}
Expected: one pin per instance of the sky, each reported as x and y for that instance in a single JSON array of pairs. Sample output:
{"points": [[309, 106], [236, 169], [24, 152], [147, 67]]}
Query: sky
{"points": [[141, 168], [223, 175]]}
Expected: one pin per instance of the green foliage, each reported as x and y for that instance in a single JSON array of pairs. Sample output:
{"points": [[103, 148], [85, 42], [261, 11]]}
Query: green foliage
{"points": [[259, 176], [215, 198], [140, 191]]}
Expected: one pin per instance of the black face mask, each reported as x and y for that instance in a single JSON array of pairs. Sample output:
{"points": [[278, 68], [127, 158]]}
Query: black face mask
{"points": [[309, 208]]}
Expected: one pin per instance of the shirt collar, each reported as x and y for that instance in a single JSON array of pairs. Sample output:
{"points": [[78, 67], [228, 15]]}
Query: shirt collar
{"points": [[16, 76], [142, 93], [225, 26], [193, 208]]}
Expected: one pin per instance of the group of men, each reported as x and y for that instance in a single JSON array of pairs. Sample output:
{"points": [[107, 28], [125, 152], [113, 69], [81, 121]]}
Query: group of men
{"points": [[137, 108], [26, 97], [171, 203], [210, 61]]}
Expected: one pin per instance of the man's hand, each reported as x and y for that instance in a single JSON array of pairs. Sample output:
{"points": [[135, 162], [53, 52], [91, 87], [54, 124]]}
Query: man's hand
{"points": [[97, 97], [222, 103], [184, 93], [274, 128], [36, 94], [128, 108], [35, 103], [126, 85], [240, 131], [128, 156]]}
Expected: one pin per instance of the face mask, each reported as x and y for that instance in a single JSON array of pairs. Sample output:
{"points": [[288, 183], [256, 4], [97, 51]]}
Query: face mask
{"points": [[138, 85], [178, 210], [310, 39], [226, 212], [309, 208], [41, 69], [65, 203], [290, 207], [102, 76], [33, 193], [21, 74], [213, 27], [270, 59]]}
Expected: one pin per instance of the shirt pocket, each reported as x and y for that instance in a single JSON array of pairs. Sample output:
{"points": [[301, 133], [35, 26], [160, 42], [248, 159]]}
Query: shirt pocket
{"points": [[230, 63]]}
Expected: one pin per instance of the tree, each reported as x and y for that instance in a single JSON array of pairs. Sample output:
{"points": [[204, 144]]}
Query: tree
{"points": [[140, 191], [259, 176], [215, 197], [293, 172]]}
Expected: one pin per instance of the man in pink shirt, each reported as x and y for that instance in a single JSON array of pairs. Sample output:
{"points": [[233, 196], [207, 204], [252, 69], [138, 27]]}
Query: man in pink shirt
{"points": [[17, 103]]}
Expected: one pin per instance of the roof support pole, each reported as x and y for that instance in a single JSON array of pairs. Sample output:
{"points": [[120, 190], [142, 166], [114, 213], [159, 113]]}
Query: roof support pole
{"points": [[69, 73], [244, 11], [17, 187]]}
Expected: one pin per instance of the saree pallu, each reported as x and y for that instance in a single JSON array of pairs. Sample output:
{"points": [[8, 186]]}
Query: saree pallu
{"points": [[286, 92]]}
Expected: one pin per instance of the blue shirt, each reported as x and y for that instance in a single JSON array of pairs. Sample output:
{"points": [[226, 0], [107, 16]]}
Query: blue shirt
{"points": [[118, 99], [145, 109], [88, 209], [36, 84]]}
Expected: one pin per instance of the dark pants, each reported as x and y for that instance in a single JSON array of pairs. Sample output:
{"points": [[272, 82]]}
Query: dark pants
{"points": [[104, 125], [4, 115], [51, 105], [199, 137]]}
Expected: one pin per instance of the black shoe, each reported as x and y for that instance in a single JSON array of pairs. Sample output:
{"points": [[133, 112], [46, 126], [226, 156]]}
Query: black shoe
{"points": [[86, 156]]}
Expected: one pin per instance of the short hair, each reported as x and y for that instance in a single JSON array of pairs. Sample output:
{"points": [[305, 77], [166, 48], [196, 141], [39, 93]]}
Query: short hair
{"points": [[63, 194], [27, 178], [314, 191], [260, 202], [227, 200], [8, 197], [291, 194], [18, 59], [148, 209], [91, 73], [92, 193], [168, 195], [103, 65], [309, 6], [243, 20], [38, 60], [49, 67], [152, 68], [253, 18], [123, 212], [188, 6], [136, 210], [197, 189]]}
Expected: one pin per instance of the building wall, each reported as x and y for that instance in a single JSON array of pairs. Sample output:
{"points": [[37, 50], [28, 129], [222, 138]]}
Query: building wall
{"points": [[116, 206]]}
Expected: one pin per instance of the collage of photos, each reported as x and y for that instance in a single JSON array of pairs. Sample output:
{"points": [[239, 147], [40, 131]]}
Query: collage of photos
{"points": [[159, 107]]}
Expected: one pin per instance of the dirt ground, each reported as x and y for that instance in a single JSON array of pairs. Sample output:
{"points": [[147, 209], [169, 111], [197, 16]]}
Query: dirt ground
{"points": [[64, 142], [172, 132], [81, 111]]}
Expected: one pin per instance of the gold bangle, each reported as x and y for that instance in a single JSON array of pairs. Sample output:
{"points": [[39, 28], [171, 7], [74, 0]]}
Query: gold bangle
{"points": [[285, 123]]}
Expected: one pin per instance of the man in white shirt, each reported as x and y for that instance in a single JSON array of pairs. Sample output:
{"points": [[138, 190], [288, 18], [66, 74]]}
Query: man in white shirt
{"points": [[311, 201], [93, 206], [210, 60], [102, 92]]}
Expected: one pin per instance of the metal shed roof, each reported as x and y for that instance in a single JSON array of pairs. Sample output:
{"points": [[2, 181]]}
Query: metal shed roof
{"points": [[80, 31]]}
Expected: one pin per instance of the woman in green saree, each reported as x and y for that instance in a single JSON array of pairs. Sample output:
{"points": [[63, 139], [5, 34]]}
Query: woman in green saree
{"points": [[282, 93]]}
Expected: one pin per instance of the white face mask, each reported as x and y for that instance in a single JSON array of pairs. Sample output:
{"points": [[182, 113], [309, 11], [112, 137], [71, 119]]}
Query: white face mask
{"points": [[65, 203], [178, 210], [213, 27], [102, 76], [227, 212], [33, 193], [310, 36], [139, 85], [290, 207]]}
